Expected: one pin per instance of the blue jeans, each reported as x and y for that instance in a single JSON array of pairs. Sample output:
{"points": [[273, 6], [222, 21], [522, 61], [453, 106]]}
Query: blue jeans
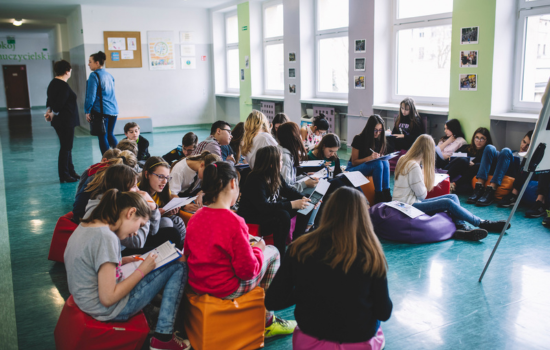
{"points": [[451, 204], [504, 158], [379, 169], [172, 278], [108, 140]]}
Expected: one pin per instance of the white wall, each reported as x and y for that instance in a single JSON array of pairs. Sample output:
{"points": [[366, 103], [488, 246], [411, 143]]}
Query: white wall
{"points": [[39, 71], [172, 97]]}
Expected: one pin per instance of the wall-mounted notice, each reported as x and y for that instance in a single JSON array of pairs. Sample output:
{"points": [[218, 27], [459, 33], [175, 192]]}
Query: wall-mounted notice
{"points": [[187, 37], [127, 55], [116, 44], [468, 58], [469, 35], [123, 49], [115, 56], [468, 82], [161, 50], [132, 44], [188, 63], [359, 82], [187, 50]]}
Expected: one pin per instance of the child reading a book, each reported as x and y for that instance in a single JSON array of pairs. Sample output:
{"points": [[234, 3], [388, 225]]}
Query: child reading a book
{"points": [[220, 257], [93, 260]]}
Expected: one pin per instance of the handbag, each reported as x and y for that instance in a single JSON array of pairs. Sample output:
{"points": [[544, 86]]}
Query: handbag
{"points": [[97, 124]]}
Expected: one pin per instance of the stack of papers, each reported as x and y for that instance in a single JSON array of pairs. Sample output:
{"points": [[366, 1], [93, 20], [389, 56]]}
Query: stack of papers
{"points": [[178, 203]]}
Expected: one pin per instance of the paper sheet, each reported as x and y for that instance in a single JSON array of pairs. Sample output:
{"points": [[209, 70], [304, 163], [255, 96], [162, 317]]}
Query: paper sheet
{"points": [[439, 178], [166, 252], [460, 155], [356, 178], [406, 209], [178, 202], [386, 157], [311, 163], [132, 44], [115, 44], [127, 55], [319, 175]]}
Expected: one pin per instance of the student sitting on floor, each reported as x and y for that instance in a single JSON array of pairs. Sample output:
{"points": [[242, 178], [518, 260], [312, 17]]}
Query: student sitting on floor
{"points": [[220, 135], [366, 148], [156, 181], [499, 164], [131, 146], [256, 135], [132, 130], [312, 134], [407, 127], [111, 153], [186, 176], [327, 150], [267, 200], [93, 258], [150, 236], [221, 260], [412, 184], [342, 266], [449, 144], [467, 167], [187, 147], [278, 120]]}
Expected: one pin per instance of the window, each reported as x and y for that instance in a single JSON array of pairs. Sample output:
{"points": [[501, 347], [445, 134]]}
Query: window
{"points": [[532, 67], [422, 50], [232, 52], [332, 48], [274, 56]]}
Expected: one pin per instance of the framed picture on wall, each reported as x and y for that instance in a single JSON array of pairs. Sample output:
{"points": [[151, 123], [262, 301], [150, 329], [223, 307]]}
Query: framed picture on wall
{"points": [[292, 73], [292, 56], [360, 45], [468, 58], [469, 35], [360, 64], [359, 82], [292, 89], [467, 82]]}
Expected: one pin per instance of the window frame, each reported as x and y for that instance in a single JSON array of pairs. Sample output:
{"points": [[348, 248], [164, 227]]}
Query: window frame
{"points": [[271, 41], [440, 19], [525, 9], [229, 47], [327, 34]]}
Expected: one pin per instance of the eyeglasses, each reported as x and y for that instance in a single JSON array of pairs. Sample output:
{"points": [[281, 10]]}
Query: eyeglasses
{"points": [[482, 139], [228, 131], [162, 177], [377, 131]]}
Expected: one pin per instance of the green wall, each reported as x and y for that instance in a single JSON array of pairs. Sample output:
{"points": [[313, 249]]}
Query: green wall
{"points": [[473, 108], [245, 101]]}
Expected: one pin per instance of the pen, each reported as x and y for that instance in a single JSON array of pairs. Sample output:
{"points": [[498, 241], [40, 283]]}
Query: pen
{"points": [[138, 258]]}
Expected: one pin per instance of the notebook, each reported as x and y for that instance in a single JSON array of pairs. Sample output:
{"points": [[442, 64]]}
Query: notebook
{"points": [[166, 253], [316, 196]]}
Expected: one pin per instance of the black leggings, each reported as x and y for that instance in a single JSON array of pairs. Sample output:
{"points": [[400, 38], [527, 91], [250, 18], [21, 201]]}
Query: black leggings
{"points": [[164, 234]]}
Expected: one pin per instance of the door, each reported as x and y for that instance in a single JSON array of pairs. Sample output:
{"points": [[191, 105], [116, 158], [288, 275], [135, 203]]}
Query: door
{"points": [[15, 85]]}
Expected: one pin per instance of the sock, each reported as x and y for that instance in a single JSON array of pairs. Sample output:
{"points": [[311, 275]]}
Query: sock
{"points": [[163, 337]]}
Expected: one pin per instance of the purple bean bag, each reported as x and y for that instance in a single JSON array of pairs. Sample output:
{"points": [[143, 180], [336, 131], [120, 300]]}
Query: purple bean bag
{"points": [[393, 225]]}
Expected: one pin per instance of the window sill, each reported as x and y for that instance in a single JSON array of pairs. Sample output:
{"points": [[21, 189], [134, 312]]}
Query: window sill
{"points": [[325, 101], [439, 110], [516, 117], [268, 98], [227, 94]]}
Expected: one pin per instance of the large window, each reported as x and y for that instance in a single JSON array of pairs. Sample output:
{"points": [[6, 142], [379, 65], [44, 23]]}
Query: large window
{"points": [[274, 48], [232, 51], [422, 66], [331, 33], [532, 69]]}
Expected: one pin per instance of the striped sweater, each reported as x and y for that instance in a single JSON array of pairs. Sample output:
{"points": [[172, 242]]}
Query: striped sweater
{"points": [[409, 188]]}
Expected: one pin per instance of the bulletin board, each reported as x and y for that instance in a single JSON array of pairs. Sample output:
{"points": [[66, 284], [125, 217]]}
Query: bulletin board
{"points": [[123, 49]]}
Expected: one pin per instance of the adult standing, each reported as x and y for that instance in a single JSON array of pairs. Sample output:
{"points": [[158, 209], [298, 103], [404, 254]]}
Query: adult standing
{"points": [[105, 104], [63, 114]]}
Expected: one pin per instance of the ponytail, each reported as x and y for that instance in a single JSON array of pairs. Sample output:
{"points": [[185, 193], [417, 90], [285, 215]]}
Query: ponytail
{"points": [[215, 178], [99, 57], [114, 202], [320, 122]]}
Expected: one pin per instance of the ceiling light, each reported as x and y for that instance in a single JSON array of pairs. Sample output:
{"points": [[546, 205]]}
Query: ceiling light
{"points": [[17, 22]]}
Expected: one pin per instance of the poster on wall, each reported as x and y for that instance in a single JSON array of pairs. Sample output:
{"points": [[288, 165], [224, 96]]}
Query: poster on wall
{"points": [[187, 50], [127, 55], [292, 89], [469, 35], [360, 46], [161, 50], [116, 44], [360, 64], [359, 82], [292, 73], [132, 44], [292, 57], [187, 37], [468, 82], [188, 63], [468, 59]]}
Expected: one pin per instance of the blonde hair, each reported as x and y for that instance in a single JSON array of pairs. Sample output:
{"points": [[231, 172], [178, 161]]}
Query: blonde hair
{"points": [[255, 123], [128, 145], [423, 149], [124, 157], [206, 157], [347, 229]]}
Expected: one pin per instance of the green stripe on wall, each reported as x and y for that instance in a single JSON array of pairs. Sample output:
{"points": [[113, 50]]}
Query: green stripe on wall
{"points": [[245, 100]]}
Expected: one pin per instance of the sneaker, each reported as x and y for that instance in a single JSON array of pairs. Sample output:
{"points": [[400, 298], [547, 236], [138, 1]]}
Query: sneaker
{"points": [[536, 211], [176, 343], [476, 234], [478, 192], [488, 197], [280, 327], [493, 226], [508, 200]]}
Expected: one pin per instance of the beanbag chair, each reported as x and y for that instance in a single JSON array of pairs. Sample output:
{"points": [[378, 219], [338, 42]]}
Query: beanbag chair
{"points": [[393, 225]]}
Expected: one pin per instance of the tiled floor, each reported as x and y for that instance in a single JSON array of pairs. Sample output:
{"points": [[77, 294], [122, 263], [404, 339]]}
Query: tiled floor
{"points": [[438, 303]]}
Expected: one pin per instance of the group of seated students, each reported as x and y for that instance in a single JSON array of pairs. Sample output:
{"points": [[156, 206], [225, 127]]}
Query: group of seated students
{"points": [[331, 249]]}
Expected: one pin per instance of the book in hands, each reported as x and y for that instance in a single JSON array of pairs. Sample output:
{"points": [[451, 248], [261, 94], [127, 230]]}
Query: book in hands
{"points": [[166, 253]]}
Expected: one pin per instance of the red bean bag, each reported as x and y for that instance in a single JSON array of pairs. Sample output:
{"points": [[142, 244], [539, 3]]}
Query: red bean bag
{"points": [[61, 234]]}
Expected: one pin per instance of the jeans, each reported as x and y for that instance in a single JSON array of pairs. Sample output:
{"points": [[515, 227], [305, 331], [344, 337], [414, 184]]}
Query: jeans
{"points": [[504, 158], [379, 169], [172, 278], [451, 204], [108, 140]]}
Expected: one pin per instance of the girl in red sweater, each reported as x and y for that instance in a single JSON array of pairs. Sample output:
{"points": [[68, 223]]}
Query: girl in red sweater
{"points": [[220, 258]]}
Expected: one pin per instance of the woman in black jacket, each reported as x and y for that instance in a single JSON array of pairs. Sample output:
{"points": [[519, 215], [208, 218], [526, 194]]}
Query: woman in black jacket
{"points": [[267, 200], [63, 114]]}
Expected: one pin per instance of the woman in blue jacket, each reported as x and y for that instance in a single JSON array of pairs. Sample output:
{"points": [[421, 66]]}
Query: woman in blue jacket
{"points": [[93, 103]]}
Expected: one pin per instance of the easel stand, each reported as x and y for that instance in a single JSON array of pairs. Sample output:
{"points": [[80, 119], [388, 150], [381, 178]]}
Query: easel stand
{"points": [[535, 160]]}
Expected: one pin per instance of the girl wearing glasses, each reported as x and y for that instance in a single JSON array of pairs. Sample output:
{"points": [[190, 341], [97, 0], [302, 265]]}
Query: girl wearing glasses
{"points": [[366, 148], [156, 182]]}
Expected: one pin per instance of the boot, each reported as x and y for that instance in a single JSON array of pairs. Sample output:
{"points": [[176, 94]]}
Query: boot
{"points": [[494, 226], [378, 197], [488, 197], [387, 195], [478, 192]]}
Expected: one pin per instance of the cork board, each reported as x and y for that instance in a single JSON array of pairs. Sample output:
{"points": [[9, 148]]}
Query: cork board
{"points": [[123, 49]]}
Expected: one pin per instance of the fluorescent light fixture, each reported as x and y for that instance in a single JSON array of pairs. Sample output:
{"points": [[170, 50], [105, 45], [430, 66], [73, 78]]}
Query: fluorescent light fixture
{"points": [[17, 22]]}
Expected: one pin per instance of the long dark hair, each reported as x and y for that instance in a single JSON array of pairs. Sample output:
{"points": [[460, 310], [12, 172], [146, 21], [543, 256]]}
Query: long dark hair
{"points": [[150, 165], [215, 178], [413, 114], [235, 143], [328, 141], [472, 148], [289, 138], [268, 167], [368, 133], [280, 118], [454, 126]]}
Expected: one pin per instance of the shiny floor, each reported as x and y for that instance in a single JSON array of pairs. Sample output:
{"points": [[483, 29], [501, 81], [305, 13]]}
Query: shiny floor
{"points": [[438, 302]]}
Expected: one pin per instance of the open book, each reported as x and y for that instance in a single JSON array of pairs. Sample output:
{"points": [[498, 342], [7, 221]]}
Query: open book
{"points": [[166, 253]]}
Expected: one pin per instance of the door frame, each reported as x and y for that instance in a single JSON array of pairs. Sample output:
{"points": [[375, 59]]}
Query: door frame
{"points": [[26, 82]]}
